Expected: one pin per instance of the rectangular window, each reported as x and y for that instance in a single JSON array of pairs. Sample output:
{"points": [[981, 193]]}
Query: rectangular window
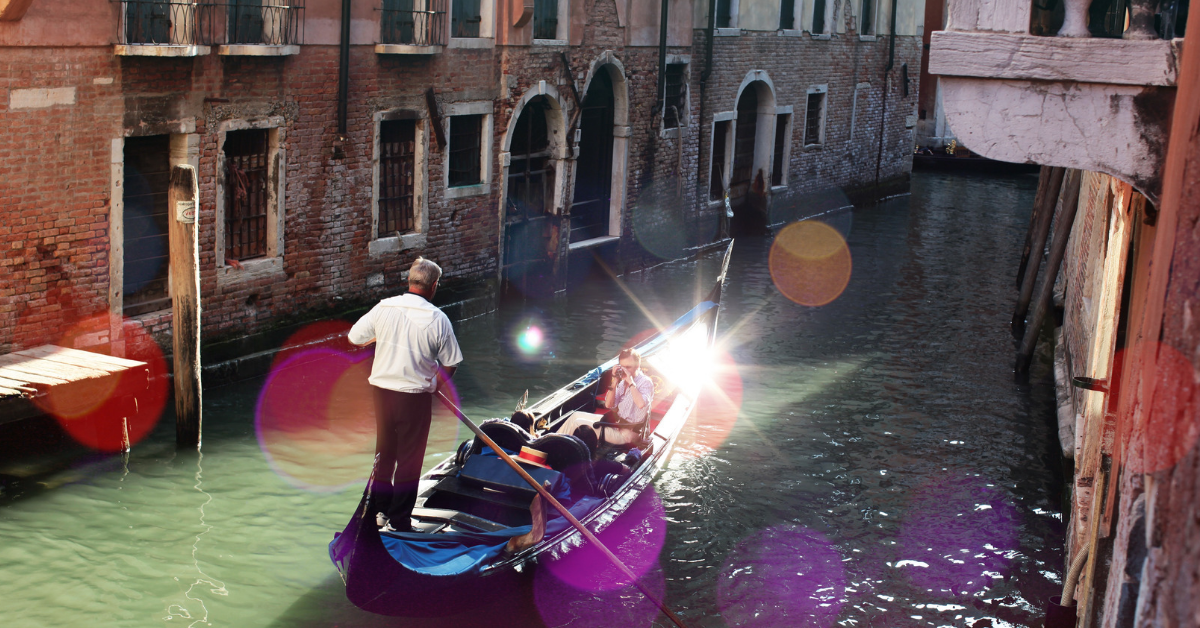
{"points": [[813, 119], [397, 177], [413, 22], [247, 155], [245, 21], [720, 143], [818, 17], [545, 19], [675, 101], [787, 14], [145, 252], [783, 125], [465, 18], [724, 14], [866, 21], [466, 134]]}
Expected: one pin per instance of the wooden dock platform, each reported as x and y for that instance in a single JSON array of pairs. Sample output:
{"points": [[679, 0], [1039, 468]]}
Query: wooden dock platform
{"points": [[53, 380]]}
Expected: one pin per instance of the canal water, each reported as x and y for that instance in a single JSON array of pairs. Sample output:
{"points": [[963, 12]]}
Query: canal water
{"points": [[869, 462]]}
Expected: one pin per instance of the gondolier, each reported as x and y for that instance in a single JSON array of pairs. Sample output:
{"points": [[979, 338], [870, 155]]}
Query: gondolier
{"points": [[414, 344]]}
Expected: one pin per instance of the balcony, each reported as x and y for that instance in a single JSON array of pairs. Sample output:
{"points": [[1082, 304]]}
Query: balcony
{"points": [[188, 28], [412, 27], [1096, 94]]}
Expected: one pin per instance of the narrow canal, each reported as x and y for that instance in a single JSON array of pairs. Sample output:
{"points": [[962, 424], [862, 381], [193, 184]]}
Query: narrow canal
{"points": [[873, 465]]}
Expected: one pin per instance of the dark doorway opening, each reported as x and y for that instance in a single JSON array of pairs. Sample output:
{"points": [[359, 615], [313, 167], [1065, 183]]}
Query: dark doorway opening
{"points": [[747, 190], [146, 246], [528, 210], [593, 172]]}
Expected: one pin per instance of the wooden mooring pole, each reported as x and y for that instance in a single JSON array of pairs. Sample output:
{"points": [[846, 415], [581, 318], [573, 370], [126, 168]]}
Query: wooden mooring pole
{"points": [[1058, 248], [183, 205], [1049, 187]]}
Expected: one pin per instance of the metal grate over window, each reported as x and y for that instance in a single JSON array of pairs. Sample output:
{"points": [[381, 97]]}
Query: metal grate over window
{"points": [[675, 101], [812, 119], [247, 155], [413, 22], [465, 148], [397, 176], [465, 18], [545, 19]]}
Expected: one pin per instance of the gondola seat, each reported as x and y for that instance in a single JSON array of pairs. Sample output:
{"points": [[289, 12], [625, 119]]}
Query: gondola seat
{"points": [[569, 455], [506, 434]]}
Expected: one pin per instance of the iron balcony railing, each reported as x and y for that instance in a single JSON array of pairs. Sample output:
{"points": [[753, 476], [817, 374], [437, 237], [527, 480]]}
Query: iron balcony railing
{"points": [[413, 22], [208, 23]]}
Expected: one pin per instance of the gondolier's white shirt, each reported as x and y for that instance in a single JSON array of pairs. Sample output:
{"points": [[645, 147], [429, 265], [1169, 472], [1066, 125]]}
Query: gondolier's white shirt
{"points": [[412, 339]]}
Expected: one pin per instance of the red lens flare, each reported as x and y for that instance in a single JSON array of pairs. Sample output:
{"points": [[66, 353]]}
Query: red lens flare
{"points": [[330, 334], [1167, 432], [108, 413], [782, 576], [315, 419], [810, 263]]}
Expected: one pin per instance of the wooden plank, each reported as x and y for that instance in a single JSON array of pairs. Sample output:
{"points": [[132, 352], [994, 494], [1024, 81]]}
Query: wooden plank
{"points": [[9, 392], [65, 360], [64, 372], [99, 358], [17, 384], [1079, 60], [32, 378]]}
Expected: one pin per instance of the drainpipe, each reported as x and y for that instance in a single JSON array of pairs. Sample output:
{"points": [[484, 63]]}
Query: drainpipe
{"points": [[702, 192], [891, 62], [662, 57], [344, 72]]}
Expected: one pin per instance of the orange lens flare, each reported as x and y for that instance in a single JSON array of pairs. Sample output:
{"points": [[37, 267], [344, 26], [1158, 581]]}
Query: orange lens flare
{"points": [[810, 263]]}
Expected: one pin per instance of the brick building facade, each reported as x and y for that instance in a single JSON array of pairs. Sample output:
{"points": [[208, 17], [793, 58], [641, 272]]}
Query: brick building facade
{"points": [[507, 144]]}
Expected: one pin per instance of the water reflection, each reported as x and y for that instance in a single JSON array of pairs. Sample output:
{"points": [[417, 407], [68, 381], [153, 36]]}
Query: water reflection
{"points": [[854, 440]]}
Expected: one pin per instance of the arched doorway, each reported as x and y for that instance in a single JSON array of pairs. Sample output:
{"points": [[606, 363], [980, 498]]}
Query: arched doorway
{"points": [[750, 176], [593, 170], [530, 227]]}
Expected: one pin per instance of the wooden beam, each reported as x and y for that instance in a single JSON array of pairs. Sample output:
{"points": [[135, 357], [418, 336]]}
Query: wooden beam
{"points": [[183, 205], [1072, 59]]}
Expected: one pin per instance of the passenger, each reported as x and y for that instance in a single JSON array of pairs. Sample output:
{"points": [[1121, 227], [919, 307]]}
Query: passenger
{"points": [[523, 419], [628, 400]]}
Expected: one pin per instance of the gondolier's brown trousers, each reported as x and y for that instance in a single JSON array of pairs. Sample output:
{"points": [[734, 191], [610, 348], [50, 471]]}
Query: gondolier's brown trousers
{"points": [[401, 431]]}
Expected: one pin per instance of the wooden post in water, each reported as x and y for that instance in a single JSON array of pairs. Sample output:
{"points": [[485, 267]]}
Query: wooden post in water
{"points": [[1058, 248], [182, 205], [1043, 214]]}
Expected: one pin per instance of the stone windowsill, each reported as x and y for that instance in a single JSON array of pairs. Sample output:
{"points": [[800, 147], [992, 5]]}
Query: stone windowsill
{"points": [[407, 49], [394, 244], [463, 191], [583, 245], [866, 38], [791, 32], [812, 147], [257, 50], [549, 42], [160, 50], [777, 189], [472, 42], [822, 36], [671, 133], [727, 32], [251, 270]]}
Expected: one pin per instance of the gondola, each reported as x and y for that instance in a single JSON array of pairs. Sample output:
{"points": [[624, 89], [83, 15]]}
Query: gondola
{"points": [[469, 507]]}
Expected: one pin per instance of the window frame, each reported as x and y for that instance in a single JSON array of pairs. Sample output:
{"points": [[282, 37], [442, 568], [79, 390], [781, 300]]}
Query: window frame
{"points": [[868, 34], [823, 90], [272, 262], [784, 151], [481, 108], [486, 38], [792, 26], [826, 18], [418, 237], [685, 96], [562, 28], [726, 118]]}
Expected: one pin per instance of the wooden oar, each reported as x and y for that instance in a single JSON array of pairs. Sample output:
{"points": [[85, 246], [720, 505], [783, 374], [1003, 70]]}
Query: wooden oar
{"points": [[587, 534]]}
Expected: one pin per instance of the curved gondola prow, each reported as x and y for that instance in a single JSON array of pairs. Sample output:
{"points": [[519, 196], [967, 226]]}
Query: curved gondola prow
{"points": [[715, 294]]}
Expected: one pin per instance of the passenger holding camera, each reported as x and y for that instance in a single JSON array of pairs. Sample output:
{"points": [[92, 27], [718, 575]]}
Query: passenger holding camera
{"points": [[628, 401]]}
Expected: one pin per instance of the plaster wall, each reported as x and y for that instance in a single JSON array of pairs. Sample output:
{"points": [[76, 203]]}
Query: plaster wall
{"points": [[63, 23]]}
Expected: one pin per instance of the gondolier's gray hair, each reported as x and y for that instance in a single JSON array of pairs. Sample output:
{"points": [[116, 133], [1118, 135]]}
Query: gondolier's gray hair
{"points": [[424, 273]]}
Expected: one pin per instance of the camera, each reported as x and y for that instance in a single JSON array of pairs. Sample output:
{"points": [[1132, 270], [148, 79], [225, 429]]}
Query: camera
{"points": [[619, 372]]}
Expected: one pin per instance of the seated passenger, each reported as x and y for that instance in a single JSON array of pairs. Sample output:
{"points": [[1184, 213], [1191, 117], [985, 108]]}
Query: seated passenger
{"points": [[524, 419], [629, 403]]}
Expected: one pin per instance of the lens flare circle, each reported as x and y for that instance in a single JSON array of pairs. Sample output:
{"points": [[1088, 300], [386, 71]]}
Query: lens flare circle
{"points": [[530, 341], [1171, 432], [561, 604], [810, 263], [785, 575], [636, 537], [105, 413], [956, 535], [315, 419]]}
